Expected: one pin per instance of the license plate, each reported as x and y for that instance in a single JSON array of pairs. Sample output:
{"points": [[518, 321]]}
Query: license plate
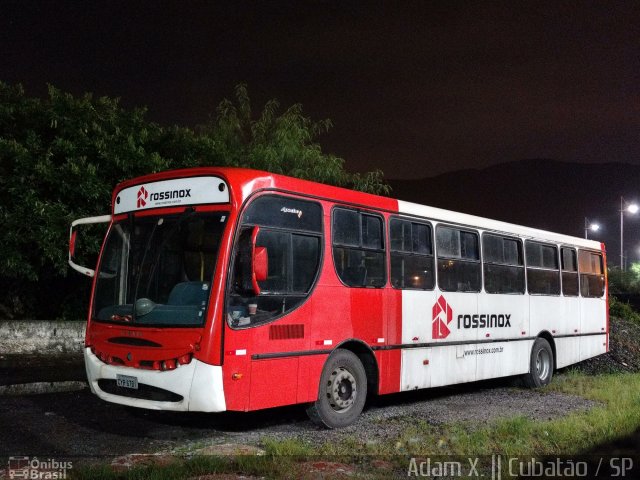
{"points": [[127, 381]]}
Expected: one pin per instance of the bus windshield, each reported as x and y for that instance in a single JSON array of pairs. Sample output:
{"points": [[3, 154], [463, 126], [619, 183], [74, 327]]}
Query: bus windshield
{"points": [[158, 270]]}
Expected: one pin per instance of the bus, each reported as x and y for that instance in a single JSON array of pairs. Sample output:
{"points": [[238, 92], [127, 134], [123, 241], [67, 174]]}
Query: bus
{"points": [[229, 289]]}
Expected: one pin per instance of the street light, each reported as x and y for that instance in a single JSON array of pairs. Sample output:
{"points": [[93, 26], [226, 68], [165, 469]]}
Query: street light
{"points": [[631, 208], [593, 226]]}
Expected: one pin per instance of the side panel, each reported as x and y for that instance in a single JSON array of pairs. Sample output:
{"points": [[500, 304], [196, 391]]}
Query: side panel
{"points": [[236, 370], [367, 306], [592, 345], [417, 316], [594, 315], [506, 316], [309, 370], [435, 318], [545, 313], [274, 382], [389, 363], [502, 359], [567, 351], [450, 365], [570, 320], [416, 371]]}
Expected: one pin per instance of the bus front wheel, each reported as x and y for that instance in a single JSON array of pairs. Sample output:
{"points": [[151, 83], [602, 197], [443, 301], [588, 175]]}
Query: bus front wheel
{"points": [[541, 365], [342, 391]]}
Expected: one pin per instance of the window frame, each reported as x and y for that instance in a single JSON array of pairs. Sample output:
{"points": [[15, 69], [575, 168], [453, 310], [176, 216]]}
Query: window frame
{"points": [[240, 226], [432, 255], [383, 251], [522, 266], [459, 259], [563, 271], [545, 269], [600, 275]]}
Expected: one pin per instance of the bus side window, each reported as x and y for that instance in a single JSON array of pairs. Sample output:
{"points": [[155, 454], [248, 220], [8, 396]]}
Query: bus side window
{"points": [[411, 255], [458, 252], [358, 248], [591, 274], [543, 272], [569, 272], [291, 232], [503, 264]]}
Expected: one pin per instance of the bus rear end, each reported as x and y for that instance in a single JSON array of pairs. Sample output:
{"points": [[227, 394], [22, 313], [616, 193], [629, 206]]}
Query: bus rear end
{"points": [[149, 340]]}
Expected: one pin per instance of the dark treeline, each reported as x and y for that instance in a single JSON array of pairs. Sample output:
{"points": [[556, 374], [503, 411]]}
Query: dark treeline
{"points": [[61, 156]]}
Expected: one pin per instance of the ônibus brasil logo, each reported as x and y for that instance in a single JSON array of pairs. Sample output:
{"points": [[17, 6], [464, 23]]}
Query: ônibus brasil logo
{"points": [[142, 197], [442, 316]]}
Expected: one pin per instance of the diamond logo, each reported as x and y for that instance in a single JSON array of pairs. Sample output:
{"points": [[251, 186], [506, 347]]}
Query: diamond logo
{"points": [[442, 316], [142, 197]]}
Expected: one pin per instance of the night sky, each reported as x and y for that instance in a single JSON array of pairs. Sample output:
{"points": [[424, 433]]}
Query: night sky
{"points": [[415, 90]]}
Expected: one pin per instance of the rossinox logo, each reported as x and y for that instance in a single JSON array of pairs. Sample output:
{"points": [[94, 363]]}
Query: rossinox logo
{"points": [[168, 195], [442, 316], [142, 197], [484, 320]]}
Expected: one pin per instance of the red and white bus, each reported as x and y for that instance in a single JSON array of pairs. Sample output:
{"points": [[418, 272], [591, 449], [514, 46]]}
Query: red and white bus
{"points": [[232, 289]]}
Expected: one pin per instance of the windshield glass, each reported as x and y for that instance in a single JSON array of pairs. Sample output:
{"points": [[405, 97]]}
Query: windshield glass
{"points": [[158, 270]]}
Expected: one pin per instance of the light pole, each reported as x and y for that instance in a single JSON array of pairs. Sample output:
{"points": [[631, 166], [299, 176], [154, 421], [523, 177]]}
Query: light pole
{"points": [[631, 208], [593, 226]]}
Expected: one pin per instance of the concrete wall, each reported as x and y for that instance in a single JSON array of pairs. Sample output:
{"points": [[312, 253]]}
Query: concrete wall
{"points": [[41, 337]]}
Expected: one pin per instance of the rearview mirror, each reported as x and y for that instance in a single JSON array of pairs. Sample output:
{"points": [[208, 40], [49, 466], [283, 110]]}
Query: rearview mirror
{"points": [[253, 261], [73, 237], [259, 262]]}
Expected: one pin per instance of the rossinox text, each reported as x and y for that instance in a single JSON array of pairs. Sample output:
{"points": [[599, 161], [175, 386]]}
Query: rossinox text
{"points": [[484, 320], [182, 193]]}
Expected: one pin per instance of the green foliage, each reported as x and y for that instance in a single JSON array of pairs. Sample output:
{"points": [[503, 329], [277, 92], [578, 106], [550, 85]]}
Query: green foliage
{"points": [[620, 309], [625, 282], [61, 156], [281, 143]]}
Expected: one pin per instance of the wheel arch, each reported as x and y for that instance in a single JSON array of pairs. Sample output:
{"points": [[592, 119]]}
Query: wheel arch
{"points": [[549, 338], [368, 359]]}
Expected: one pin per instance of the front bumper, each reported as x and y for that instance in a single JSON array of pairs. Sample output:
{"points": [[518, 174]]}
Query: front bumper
{"points": [[199, 384]]}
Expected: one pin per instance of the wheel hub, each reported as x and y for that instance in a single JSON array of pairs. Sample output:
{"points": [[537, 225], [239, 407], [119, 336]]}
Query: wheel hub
{"points": [[543, 364], [341, 389]]}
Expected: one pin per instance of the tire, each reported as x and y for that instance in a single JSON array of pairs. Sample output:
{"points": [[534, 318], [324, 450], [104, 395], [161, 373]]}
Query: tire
{"points": [[342, 391], [540, 365]]}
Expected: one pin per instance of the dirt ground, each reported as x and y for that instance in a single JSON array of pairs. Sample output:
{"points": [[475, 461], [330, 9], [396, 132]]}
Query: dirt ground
{"points": [[79, 425]]}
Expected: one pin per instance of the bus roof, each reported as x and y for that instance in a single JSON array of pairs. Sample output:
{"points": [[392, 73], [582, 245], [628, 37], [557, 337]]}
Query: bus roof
{"points": [[244, 182]]}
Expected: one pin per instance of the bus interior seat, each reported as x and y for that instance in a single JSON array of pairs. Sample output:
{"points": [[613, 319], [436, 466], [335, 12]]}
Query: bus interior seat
{"points": [[189, 293]]}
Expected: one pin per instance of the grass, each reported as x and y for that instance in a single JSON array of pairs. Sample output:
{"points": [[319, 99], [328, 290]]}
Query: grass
{"points": [[617, 414]]}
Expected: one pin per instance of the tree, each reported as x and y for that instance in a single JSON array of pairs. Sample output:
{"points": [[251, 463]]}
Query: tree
{"points": [[281, 143], [61, 156]]}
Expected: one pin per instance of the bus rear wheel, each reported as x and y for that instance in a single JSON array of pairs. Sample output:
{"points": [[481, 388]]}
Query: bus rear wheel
{"points": [[540, 366], [342, 391]]}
